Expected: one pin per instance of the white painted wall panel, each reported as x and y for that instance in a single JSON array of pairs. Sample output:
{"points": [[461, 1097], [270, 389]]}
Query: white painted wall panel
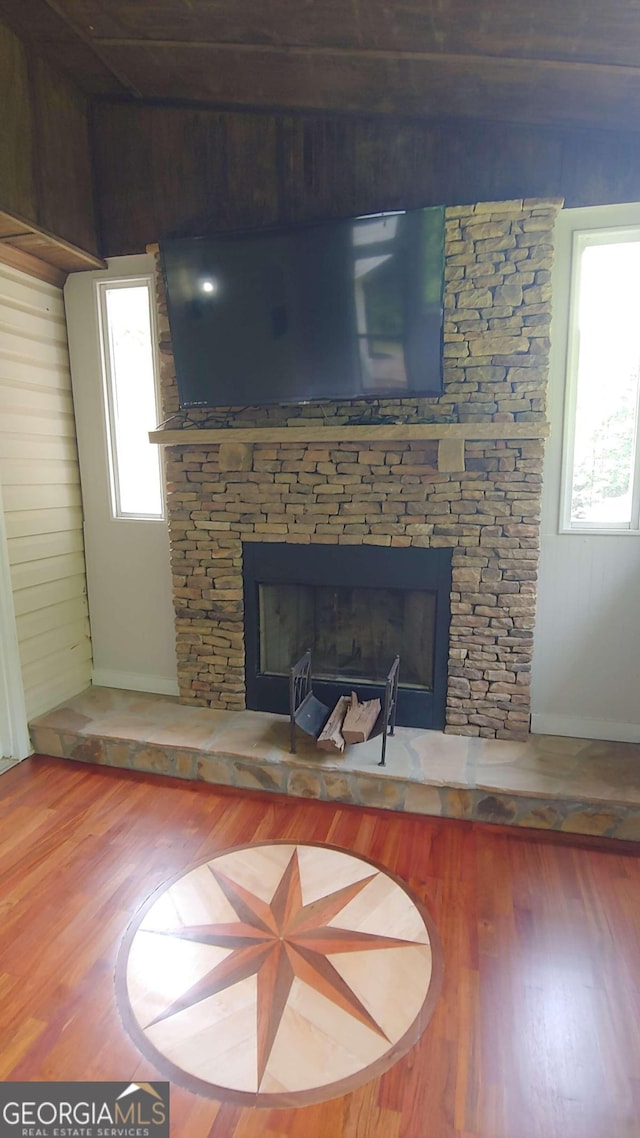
{"points": [[41, 492], [128, 560], [586, 663], [23, 523], [64, 614], [42, 545], [37, 448], [50, 497], [38, 597]]}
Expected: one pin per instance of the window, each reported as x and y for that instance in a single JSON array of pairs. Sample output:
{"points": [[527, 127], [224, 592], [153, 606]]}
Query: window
{"points": [[126, 322], [602, 452]]}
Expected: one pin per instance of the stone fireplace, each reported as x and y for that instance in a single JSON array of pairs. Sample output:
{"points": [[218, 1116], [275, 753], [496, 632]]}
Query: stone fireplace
{"points": [[460, 473], [356, 608]]}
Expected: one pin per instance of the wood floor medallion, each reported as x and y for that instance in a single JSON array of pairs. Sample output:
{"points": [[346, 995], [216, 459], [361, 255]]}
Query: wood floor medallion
{"points": [[279, 974]]}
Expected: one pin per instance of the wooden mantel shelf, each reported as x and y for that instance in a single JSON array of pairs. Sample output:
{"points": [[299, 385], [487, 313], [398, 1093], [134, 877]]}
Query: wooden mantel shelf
{"points": [[194, 436], [236, 443]]}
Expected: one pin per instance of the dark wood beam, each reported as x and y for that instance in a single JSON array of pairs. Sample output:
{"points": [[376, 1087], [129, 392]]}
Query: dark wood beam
{"points": [[416, 83], [468, 59]]}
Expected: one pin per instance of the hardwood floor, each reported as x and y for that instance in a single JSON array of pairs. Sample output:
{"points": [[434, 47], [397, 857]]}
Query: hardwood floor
{"points": [[537, 1030]]}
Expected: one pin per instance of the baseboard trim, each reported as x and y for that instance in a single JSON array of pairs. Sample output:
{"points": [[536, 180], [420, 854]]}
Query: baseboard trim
{"points": [[134, 681], [579, 728]]}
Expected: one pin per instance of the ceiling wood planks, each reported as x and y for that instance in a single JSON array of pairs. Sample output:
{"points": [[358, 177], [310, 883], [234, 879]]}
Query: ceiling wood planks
{"points": [[575, 29], [183, 117], [547, 63], [40, 25]]}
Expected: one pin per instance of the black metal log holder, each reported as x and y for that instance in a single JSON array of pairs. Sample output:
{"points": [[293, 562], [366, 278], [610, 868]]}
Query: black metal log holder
{"points": [[310, 714]]}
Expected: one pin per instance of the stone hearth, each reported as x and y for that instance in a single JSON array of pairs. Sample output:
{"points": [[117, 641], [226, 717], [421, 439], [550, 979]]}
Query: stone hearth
{"points": [[570, 785], [478, 496]]}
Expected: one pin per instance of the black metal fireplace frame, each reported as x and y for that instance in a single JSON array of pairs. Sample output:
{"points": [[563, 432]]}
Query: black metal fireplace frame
{"points": [[273, 563]]}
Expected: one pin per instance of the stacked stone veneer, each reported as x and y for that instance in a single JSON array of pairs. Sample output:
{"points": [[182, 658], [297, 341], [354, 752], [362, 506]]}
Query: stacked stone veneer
{"points": [[391, 493]]}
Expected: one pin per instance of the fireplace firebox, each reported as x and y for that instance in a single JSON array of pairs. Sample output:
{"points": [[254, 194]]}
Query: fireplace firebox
{"points": [[356, 608]]}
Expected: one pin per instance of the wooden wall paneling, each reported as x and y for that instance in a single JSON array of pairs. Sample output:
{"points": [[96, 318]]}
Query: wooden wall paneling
{"points": [[140, 154], [17, 188], [500, 161], [341, 166], [197, 170], [45, 171], [169, 171], [600, 168], [62, 158], [251, 171]]}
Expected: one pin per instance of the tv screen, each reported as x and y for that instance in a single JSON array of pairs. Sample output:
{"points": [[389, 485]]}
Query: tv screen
{"points": [[343, 310]]}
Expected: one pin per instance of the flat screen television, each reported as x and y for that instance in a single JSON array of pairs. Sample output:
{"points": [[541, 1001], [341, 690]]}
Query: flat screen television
{"points": [[343, 310]]}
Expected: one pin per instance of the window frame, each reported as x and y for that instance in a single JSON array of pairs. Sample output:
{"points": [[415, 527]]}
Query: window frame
{"points": [[101, 288], [582, 239]]}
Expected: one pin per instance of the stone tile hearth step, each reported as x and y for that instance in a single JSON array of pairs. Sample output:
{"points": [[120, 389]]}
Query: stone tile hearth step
{"points": [[552, 783]]}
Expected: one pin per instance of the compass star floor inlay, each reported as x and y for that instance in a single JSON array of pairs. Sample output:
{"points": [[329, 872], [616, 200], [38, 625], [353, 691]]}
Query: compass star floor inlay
{"points": [[279, 974]]}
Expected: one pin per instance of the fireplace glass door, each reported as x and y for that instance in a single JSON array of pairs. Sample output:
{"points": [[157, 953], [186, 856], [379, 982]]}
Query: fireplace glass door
{"points": [[354, 632]]}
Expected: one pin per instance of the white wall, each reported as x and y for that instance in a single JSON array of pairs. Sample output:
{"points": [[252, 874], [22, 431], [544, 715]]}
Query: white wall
{"points": [[128, 566], [41, 492], [586, 665]]}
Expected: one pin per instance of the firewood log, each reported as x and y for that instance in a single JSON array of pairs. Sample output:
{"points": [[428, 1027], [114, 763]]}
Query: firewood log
{"points": [[330, 738], [360, 719]]}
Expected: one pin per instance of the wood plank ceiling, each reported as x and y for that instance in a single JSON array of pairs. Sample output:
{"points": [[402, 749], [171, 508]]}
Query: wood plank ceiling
{"points": [[562, 62]]}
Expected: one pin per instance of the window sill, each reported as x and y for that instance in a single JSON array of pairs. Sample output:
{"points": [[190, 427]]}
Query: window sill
{"points": [[594, 532]]}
